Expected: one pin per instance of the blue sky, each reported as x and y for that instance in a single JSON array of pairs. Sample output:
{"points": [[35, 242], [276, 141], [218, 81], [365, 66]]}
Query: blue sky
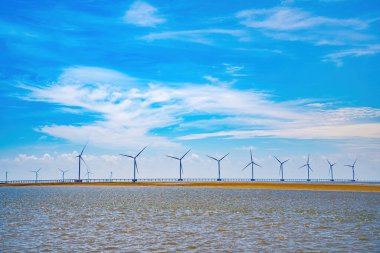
{"points": [[283, 78]]}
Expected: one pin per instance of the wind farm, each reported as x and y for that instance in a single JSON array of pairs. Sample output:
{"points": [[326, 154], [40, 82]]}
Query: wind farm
{"points": [[191, 180]]}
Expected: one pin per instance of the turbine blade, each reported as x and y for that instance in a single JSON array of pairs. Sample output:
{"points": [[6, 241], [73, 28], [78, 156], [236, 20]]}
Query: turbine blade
{"points": [[308, 158], [173, 157], [328, 162], [185, 154], [212, 157], [250, 152], [127, 156], [84, 161], [224, 156], [285, 161], [277, 159], [141, 151], [83, 149], [355, 162], [302, 166], [256, 164], [247, 166], [137, 169]]}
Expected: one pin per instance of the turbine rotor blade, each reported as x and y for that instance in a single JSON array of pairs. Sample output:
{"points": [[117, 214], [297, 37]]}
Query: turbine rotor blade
{"points": [[83, 149], [212, 157], [224, 156], [302, 166], [250, 152], [141, 151], [355, 162], [277, 159], [285, 161], [256, 164], [173, 157], [185, 154], [127, 156], [247, 166]]}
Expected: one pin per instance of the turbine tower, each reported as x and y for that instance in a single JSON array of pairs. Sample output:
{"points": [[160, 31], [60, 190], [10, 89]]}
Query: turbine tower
{"points": [[180, 164], [308, 167], [79, 160], [331, 171], [353, 170], [218, 160], [251, 163], [63, 174], [281, 167], [36, 171], [135, 169]]}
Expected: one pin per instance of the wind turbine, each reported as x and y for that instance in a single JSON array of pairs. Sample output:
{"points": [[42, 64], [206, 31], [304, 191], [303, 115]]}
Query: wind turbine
{"points": [[110, 175], [180, 164], [331, 171], [308, 167], [281, 167], [218, 160], [63, 174], [36, 171], [353, 170], [6, 177], [79, 160], [88, 174], [135, 169], [251, 163]]}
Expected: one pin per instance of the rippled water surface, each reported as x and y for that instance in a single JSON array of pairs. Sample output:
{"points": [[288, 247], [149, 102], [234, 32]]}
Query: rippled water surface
{"points": [[130, 219]]}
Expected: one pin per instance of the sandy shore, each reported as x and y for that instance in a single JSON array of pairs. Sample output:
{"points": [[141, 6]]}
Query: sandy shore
{"points": [[243, 185]]}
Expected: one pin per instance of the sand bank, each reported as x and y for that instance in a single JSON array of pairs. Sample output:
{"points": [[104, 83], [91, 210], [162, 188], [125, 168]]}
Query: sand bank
{"points": [[245, 185]]}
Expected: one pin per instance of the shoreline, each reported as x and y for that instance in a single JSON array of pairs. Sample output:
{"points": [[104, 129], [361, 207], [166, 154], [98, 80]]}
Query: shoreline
{"points": [[354, 187]]}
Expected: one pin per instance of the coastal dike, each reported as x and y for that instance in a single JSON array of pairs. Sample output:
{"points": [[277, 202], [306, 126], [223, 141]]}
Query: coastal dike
{"points": [[355, 187]]}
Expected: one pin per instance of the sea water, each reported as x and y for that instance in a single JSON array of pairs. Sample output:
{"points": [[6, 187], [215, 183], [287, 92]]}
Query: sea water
{"points": [[173, 219]]}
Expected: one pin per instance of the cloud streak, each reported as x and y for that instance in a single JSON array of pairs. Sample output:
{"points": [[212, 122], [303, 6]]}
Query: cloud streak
{"points": [[130, 114], [203, 36]]}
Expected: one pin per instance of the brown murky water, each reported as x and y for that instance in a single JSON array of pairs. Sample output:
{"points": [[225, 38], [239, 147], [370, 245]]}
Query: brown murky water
{"points": [[130, 219]]}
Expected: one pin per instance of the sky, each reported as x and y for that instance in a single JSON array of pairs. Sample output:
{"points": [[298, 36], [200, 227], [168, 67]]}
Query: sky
{"points": [[282, 78]]}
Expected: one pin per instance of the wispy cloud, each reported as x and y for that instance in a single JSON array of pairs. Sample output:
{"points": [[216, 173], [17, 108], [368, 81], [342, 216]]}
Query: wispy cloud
{"points": [[285, 19], [197, 36], [294, 24], [143, 14], [129, 113], [338, 57]]}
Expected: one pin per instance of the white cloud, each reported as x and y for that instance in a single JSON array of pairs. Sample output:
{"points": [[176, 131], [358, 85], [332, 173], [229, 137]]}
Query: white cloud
{"points": [[318, 132], [293, 24], [284, 19], [197, 36], [94, 75], [338, 57], [129, 115], [143, 14]]}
